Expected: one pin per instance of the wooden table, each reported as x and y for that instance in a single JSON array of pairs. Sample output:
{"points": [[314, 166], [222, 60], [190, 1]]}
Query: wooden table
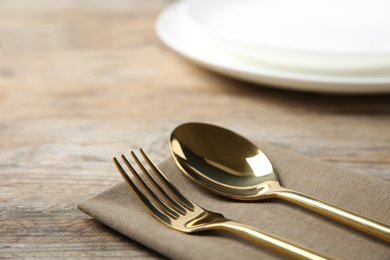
{"points": [[83, 81]]}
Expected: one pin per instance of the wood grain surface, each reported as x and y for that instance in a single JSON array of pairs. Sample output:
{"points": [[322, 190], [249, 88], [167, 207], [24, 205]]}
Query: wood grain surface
{"points": [[83, 81]]}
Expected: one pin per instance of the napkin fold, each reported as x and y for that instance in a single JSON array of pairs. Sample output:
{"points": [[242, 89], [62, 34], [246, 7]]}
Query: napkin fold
{"points": [[118, 208]]}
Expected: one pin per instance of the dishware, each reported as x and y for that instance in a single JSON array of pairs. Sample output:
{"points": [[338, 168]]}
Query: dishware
{"points": [[325, 36], [230, 165], [174, 210], [207, 53]]}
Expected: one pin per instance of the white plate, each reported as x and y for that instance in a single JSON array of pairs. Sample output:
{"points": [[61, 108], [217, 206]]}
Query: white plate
{"points": [[171, 31], [321, 36]]}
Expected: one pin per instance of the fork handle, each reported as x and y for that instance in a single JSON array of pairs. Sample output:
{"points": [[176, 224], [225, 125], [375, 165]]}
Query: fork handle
{"points": [[279, 245]]}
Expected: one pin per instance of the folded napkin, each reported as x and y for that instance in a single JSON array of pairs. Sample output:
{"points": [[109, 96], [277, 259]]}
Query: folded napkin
{"points": [[119, 209]]}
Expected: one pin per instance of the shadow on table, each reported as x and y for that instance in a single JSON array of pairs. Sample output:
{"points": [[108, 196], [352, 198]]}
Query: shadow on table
{"points": [[369, 104]]}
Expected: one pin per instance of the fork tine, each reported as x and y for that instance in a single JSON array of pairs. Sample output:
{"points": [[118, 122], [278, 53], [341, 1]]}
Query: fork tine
{"points": [[152, 180], [148, 204], [184, 201], [162, 204]]}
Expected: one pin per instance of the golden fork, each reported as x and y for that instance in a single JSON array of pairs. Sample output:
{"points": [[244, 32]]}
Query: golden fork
{"points": [[177, 212]]}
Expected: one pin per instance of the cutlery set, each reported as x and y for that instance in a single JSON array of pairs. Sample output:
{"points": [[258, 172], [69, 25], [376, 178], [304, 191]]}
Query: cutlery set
{"points": [[229, 165]]}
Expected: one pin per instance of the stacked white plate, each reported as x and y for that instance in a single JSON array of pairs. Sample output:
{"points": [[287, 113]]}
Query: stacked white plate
{"points": [[334, 46]]}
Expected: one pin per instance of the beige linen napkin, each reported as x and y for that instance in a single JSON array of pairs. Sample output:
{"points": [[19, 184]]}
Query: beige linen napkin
{"points": [[119, 209]]}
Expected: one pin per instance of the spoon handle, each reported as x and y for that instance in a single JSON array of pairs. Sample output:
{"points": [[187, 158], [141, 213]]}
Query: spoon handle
{"points": [[349, 218], [279, 245]]}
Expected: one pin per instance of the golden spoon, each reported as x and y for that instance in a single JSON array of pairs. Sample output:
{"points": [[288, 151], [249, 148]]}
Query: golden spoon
{"points": [[230, 165]]}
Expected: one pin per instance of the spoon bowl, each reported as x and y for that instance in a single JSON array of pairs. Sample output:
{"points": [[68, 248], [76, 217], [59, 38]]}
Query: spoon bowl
{"points": [[226, 163], [222, 161]]}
